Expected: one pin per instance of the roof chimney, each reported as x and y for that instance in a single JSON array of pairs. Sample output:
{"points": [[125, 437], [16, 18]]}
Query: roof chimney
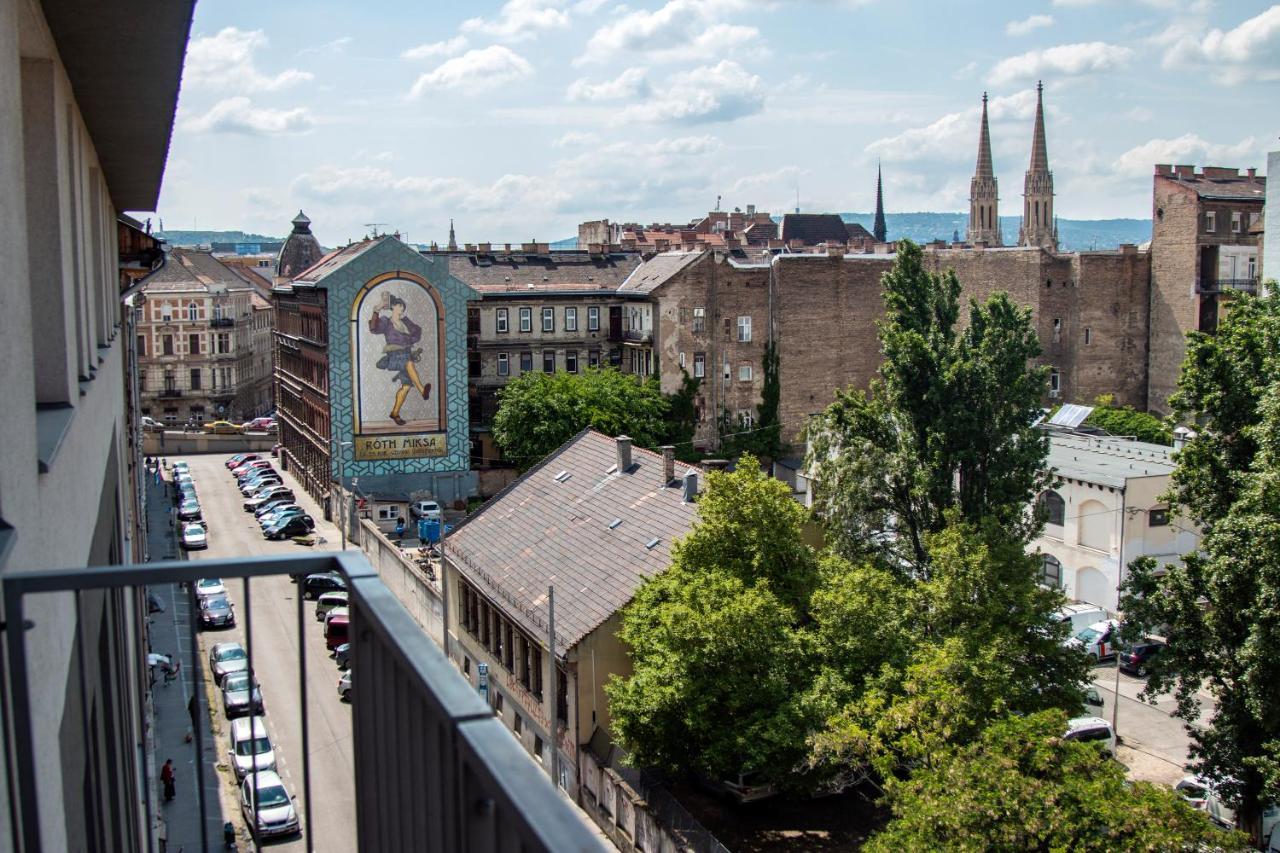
{"points": [[624, 453], [668, 464], [690, 486], [1253, 172]]}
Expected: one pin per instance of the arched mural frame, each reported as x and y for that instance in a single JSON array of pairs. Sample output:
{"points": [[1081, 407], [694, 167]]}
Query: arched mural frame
{"points": [[389, 441]]}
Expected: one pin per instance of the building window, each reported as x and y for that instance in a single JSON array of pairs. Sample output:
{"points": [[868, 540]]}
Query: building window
{"points": [[193, 312], [222, 342], [504, 364], [526, 319], [166, 344], [682, 361], [744, 329], [526, 362], [193, 344], [388, 512], [746, 419], [728, 371], [593, 318], [1158, 517], [142, 346], [699, 365], [1054, 507], [537, 748], [497, 703], [548, 361], [500, 319], [518, 726], [1236, 222], [548, 319], [1051, 572], [466, 665], [473, 365], [1088, 336], [1210, 222], [699, 319], [1055, 382], [593, 358], [195, 379], [744, 373], [571, 319], [1057, 330], [571, 361]]}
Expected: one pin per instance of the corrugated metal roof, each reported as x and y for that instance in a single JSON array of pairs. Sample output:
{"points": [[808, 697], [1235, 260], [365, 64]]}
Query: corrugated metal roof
{"points": [[1107, 461]]}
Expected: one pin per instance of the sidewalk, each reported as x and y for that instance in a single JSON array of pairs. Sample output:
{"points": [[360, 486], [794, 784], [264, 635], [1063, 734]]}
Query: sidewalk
{"points": [[170, 634]]}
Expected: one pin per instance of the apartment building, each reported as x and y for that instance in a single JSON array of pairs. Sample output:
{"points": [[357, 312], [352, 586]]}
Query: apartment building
{"points": [[87, 100], [195, 334]]}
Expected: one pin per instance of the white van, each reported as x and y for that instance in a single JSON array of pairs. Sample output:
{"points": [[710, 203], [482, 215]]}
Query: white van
{"points": [[1099, 639], [1092, 729], [1080, 616], [250, 745], [1200, 794]]}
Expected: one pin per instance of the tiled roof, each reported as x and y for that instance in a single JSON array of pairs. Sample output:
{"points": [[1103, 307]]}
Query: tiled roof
{"points": [[657, 270], [858, 232], [559, 271], [1242, 187], [812, 228], [552, 527], [336, 259], [187, 270]]}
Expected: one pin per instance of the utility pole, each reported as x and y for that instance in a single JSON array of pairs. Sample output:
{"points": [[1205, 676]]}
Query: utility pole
{"points": [[1115, 701]]}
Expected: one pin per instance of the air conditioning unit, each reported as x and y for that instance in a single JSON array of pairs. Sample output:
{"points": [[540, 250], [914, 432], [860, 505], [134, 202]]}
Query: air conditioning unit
{"points": [[1053, 393]]}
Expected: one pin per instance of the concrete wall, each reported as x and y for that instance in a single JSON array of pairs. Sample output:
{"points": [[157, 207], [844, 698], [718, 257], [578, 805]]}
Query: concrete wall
{"points": [[1174, 303], [177, 443], [419, 594], [621, 811]]}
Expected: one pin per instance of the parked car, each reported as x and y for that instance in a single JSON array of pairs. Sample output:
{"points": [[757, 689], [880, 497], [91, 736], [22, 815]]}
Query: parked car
{"points": [[226, 658], [1202, 794], [254, 485], [342, 655], [295, 525], [206, 587], [235, 695], [426, 509], [344, 686], [151, 424], [272, 492], [251, 747], [281, 510], [328, 602], [275, 450], [241, 458], [1080, 616], [179, 465], [189, 510], [222, 428], [247, 467], [313, 586], [272, 506], [256, 474], [217, 612], [1098, 640], [1134, 660], [193, 536], [1087, 729], [269, 808], [258, 425], [342, 611], [336, 630]]}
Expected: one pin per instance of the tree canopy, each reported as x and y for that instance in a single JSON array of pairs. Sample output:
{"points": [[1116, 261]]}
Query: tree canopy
{"points": [[1126, 420], [1020, 786], [1220, 609], [538, 412]]}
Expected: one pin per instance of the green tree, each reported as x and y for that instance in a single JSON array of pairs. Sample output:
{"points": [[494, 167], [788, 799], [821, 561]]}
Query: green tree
{"points": [[1220, 609], [719, 663], [947, 423], [1021, 787], [538, 412], [1125, 420], [682, 417]]}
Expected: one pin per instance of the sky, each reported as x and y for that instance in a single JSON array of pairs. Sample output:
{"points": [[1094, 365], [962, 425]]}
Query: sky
{"points": [[519, 120]]}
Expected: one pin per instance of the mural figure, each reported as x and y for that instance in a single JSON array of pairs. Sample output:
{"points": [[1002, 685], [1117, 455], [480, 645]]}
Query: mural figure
{"points": [[400, 355]]}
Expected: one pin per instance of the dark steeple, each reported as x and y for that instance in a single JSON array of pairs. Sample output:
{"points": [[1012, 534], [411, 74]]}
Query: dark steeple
{"points": [[300, 250], [984, 193], [453, 241], [1038, 222], [878, 229]]}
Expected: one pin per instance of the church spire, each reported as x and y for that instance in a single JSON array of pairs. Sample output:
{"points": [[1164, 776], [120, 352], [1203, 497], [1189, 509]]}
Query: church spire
{"points": [[984, 192], [1038, 222], [878, 229], [453, 240]]}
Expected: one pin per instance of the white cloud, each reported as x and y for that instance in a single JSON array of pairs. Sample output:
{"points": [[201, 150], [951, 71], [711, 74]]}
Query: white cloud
{"points": [[520, 20], [631, 83], [587, 7], [239, 115], [953, 137], [679, 30], [1075, 2], [1188, 148], [338, 45], [1140, 114], [1063, 60], [226, 61], [576, 138], [721, 92], [964, 72], [474, 71], [1034, 22], [448, 47], [1250, 51]]}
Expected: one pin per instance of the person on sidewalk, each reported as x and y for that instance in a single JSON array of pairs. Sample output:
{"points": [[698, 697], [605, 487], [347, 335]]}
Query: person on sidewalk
{"points": [[167, 777], [194, 710]]}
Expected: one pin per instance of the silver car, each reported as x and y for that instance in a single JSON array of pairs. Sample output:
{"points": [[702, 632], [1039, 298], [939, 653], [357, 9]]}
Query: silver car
{"points": [[251, 748], [226, 658], [276, 814], [235, 695]]}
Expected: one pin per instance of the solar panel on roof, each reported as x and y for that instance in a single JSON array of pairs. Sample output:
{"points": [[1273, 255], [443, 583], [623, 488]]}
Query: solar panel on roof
{"points": [[1070, 416]]}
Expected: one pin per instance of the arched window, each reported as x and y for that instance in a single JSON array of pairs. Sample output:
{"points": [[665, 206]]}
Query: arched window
{"points": [[1054, 508], [1096, 524], [1051, 572]]}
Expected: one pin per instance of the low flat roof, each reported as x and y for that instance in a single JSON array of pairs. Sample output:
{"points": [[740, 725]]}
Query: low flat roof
{"points": [[1107, 461]]}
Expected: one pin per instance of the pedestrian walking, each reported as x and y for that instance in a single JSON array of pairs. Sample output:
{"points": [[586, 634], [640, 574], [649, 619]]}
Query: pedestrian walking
{"points": [[167, 776], [194, 710]]}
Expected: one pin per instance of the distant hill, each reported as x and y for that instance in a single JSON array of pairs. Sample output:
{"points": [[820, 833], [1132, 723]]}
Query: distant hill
{"points": [[1073, 234], [204, 238]]}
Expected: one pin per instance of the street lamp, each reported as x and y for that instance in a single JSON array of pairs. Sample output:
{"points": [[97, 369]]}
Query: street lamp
{"points": [[342, 480]]}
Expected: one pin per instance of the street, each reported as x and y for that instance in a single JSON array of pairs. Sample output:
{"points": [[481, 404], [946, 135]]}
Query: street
{"points": [[273, 620]]}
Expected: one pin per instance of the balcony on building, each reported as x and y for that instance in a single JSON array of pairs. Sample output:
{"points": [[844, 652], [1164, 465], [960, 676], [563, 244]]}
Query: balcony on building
{"points": [[434, 770], [222, 322], [1211, 285], [170, 392], [638, 336]]}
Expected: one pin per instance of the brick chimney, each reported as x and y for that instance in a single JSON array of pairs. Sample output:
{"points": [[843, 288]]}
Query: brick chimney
{"points": [[1253, 173], [668, 464], [624, 453]]}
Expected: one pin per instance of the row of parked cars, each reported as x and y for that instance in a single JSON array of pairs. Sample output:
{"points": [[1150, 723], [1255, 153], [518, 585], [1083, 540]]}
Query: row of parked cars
{"points": [[193, 530], [265, 424], [329, 590], [264, 799], [268, 498]]}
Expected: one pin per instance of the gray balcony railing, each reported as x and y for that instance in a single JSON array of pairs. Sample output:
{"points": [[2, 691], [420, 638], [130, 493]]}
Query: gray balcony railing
{"points": [[1227, 285], [435, 770], [642, 336]]}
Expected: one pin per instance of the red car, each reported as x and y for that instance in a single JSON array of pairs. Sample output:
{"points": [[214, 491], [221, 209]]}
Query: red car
{"points": [[241, 459], [260, 425]]}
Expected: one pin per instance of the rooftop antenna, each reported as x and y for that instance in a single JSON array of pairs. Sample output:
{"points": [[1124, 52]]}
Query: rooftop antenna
{"points": [[797, 196], [717, 201], [374, 227]]}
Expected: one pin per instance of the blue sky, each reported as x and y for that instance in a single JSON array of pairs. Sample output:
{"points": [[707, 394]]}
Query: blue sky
{"points": [[520, 120]]}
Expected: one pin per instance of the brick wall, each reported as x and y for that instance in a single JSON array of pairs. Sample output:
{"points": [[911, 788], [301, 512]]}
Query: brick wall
{"points": [[1174, 304]]}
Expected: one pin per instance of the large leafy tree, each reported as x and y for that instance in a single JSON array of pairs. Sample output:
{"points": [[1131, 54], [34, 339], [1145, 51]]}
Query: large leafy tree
{"points": [[716, 646], [1020, 786], [946, 424], [1220, 609], [538, 412]]}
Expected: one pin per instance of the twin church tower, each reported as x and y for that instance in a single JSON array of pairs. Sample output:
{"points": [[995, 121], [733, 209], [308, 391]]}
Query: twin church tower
{"points": [[1038, 226]]}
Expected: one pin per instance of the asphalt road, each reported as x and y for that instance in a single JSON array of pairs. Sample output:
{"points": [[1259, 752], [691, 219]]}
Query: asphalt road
{"points": [[235, 533]]}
